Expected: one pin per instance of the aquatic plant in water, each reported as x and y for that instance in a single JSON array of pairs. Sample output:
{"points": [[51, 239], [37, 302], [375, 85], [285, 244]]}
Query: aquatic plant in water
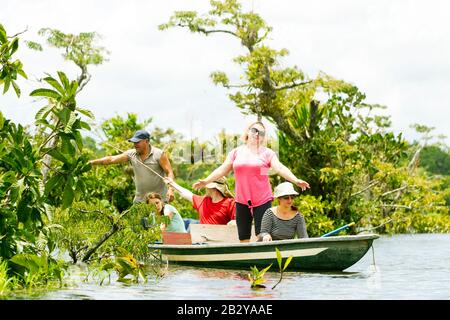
{"points": [[256, 277], [280, 265]]}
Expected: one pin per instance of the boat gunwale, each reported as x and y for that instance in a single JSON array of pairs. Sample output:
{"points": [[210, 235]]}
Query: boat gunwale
{"points": [[209, 245]]}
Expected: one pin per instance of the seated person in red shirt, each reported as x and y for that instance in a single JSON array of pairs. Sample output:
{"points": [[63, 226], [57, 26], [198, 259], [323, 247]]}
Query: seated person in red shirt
{"points": [[216, 207]]}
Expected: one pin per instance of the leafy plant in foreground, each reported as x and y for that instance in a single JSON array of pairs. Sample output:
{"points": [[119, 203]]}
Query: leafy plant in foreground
{"points": [[280, 263], [127, 265], [256, 277]]}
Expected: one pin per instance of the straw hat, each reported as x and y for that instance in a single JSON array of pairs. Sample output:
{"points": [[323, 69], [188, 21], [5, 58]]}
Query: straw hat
{"points": [[284, 189], [221, 185]]}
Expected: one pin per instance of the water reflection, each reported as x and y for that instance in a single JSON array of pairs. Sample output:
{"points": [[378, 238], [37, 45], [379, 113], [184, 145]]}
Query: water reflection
{"points": [[231, 284], [373, 277], [335, 274], [208, 273]]}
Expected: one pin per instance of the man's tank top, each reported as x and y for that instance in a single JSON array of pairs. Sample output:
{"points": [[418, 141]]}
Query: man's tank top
{"points": [[145, 180]]}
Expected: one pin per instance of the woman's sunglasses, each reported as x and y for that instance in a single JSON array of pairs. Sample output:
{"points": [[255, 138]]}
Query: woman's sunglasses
{"points": [[288, 197], [259, 132]]}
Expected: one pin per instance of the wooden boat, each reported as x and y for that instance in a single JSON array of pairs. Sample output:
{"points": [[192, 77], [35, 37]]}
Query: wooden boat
{"points": [[326, 253]]}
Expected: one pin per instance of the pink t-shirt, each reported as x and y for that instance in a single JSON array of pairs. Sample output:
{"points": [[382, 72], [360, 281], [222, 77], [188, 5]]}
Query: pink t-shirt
{"points": [[251, 172]]}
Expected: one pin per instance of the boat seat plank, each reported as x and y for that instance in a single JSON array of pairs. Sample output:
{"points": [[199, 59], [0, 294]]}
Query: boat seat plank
{"points": [[213, 233]]}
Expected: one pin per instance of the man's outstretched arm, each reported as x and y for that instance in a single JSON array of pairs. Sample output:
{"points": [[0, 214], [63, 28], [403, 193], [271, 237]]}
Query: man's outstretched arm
{"points": [[121, 158]]}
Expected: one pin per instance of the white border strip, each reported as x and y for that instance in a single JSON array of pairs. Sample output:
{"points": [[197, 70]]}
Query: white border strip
{"points": [[243, 256]]}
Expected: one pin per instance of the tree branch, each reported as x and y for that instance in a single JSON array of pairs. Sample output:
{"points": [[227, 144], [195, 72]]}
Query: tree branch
{"points": [[19, 33], [84, 77], [379, 226], [105, 237], [229, 86], [393, 191], [409, 207], [89, 211], [293, 85], [284, 125], [115, 227], [203, 30], [415, 160], [396, 206], [371, 184]]}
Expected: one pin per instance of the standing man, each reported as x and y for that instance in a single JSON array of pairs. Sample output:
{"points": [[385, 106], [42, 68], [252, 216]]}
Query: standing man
{"points": [[143, 157]]}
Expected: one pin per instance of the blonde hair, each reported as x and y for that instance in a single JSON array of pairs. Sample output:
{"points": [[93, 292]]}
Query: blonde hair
{"points": [[244, 136]]}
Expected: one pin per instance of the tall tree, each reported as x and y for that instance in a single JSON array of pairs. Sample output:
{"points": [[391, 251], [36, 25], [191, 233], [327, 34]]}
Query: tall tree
{"points": [[267, 89], [82, 50]]}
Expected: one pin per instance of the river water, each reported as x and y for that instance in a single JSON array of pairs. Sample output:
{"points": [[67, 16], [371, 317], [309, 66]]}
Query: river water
{"points": [[400, 267]]}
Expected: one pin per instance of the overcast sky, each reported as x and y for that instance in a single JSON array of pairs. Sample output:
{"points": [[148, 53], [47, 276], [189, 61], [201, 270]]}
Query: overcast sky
{"points": [[396, 52]]}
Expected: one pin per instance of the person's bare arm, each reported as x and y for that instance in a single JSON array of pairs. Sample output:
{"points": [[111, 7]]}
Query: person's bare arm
{"points": [[121, 158], [185, 193], [283, 171], [221, 171], [167, 167]]}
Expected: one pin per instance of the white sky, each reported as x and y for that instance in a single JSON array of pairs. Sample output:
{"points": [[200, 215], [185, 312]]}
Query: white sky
{"points": [[396, 52]]}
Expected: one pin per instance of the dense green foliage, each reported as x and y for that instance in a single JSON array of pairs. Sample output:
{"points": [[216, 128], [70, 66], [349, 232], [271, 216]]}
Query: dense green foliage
{"points": [[328, 135], [26, 198], [9, 70], [41, 176], [435, 160]]}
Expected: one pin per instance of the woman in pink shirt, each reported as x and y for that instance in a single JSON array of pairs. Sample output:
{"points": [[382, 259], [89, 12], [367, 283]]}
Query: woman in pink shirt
{"points": [[251, 163]]}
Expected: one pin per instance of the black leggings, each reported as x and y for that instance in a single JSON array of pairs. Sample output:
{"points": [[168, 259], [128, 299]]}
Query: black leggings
{"points": [[244, 219]]}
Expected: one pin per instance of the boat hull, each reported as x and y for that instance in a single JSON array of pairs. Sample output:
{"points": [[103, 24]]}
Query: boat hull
{"points": [[309, 254]]}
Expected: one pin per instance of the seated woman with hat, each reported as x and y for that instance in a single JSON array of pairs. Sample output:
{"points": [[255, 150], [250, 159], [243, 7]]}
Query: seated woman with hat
{"points": [[217, 206], [283, 221]]}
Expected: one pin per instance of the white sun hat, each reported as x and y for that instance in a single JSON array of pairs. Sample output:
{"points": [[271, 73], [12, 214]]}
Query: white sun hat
{"points": [[284, 189]]}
